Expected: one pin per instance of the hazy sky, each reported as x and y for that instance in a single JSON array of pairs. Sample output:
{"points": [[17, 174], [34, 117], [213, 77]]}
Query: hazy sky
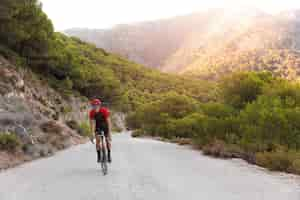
{"points": [[106, 13]]}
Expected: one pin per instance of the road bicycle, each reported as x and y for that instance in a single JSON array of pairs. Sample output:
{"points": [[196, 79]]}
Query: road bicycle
{"points": [[103, 159]]}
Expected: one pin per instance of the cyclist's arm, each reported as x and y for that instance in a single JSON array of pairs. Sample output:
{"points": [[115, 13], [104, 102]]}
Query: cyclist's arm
{"points": [[92, 127], [109, 127]]}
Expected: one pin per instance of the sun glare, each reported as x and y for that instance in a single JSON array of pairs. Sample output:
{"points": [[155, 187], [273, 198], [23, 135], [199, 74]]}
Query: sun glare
{"points": [[105, 14]]}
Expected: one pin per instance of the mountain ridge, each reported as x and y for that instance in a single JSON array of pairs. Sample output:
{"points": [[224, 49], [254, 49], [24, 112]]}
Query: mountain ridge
{"points": [[173, 45]]}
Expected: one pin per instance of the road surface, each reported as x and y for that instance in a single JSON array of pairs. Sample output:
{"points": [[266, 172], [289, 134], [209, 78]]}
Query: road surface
{"points": [[144, 169]]}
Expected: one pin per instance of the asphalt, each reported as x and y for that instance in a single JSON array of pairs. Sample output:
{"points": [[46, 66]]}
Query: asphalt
{"points": [[144, 169]]}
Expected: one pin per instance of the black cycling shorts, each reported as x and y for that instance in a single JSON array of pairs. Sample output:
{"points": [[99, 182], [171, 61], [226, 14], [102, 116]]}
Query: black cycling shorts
{"points": [[105, 130]]}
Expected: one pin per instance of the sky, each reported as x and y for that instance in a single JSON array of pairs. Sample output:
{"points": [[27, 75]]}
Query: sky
{"points": [[107, 13]]}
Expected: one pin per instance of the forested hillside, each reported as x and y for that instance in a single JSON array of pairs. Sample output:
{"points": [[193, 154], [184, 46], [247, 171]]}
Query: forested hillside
{"points": [[254, 117], [272, 44], [183, 33], [27, 37], [281, 62], [202, 44]]}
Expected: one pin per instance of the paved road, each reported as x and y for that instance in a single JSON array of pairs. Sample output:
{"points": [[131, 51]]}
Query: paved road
{"points": [[144, 169]]}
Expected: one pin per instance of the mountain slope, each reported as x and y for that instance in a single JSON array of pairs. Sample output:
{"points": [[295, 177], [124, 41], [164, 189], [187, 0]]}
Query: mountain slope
{"points": [[152, 43], [186, 43], [272, 44]]}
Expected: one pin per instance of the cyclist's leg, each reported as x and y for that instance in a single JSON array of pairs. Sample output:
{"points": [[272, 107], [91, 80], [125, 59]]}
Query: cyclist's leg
{"points": [[98, 147], [108, 145]]}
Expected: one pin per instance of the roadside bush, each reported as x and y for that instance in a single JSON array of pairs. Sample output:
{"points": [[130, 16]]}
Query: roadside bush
{"points": [[295, 168], [177, 106], [133, 120], [266, 122], [137, 133], [9, 142], [189, 126], [258, 120], [279, 161], [84, 129], [165, 117]]}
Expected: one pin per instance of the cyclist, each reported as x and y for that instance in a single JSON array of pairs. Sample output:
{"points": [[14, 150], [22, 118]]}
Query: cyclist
{"points": [[99, 121]]}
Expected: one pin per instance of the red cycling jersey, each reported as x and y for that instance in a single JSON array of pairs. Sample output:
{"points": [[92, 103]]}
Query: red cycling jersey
{"points": [[104, 111]]}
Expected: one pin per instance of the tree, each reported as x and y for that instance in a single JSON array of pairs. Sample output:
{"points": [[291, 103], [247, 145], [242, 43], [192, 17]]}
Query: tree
{"points": [[241, 88], [25, 27]]}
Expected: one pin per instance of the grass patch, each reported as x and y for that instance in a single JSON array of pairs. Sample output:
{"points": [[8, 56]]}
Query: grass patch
{"points": [[9, 142]]}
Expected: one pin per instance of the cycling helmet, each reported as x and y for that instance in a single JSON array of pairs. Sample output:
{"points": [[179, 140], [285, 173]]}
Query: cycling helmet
{"points": [[96, 102]]}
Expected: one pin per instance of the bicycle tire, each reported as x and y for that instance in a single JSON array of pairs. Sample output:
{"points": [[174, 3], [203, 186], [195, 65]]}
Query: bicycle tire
{"points": [[104, 159]]}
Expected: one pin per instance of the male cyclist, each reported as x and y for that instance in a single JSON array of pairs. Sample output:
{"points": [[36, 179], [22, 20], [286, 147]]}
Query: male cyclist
{"points": [[99, 121]]}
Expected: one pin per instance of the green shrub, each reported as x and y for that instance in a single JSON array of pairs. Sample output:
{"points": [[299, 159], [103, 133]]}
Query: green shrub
{"points": [[9, 142], [277, 161], [177, 106], [85, 130], [217, 110], [266, 114], [133, 120], [187, 127], [66, 109], [137, 133], [295, 168], [239, 89], [287, 91]]}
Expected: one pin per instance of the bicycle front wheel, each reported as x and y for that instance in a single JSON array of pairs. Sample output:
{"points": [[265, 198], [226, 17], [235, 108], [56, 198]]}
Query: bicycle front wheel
{"points": [[104, 163]]}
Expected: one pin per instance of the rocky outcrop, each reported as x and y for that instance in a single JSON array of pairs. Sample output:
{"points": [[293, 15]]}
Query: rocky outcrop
{"points": [[36, 113]]}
